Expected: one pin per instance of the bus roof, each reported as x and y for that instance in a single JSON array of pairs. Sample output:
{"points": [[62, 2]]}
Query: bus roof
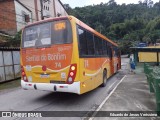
{"points": [[47, 20], [78, 22]]}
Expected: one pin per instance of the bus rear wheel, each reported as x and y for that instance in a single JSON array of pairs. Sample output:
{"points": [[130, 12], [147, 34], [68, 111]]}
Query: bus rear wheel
{"points": [[104, 78]]}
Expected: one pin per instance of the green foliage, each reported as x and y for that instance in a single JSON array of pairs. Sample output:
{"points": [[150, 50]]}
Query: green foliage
{"points": [[4, 40], [15, 41], [126, 24]]}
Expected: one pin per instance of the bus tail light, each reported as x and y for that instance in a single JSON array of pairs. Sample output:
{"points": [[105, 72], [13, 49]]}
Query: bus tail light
{"points": [[72, 74], [24, 77]]}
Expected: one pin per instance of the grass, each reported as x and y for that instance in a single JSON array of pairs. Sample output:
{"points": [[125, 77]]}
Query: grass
{"points": [[10, 85]]}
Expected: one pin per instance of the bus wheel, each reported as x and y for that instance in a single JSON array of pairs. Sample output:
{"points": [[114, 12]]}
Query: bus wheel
{"points": [[104, 78]]}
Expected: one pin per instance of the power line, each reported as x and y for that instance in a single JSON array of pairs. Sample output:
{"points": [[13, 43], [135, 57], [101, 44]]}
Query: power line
{"points": [[32, 7]]}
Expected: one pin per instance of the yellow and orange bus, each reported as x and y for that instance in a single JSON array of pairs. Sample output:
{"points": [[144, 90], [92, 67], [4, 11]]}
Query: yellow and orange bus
{"points": [[65, 55]]}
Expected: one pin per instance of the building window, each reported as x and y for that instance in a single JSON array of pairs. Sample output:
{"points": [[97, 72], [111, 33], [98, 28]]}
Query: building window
{"points": [[25, 17]]}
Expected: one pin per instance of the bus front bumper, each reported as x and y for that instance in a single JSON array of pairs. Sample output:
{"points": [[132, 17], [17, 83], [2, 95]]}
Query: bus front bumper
{"points": [[71, 88]]}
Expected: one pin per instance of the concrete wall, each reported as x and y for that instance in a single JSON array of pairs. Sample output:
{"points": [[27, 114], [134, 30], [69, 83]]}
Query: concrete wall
{"points": [[20, 12], [8, 17]]}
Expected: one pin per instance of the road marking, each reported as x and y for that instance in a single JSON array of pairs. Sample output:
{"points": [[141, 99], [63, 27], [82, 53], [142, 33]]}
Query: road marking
{"points": [[111, 85], [91, 118]]}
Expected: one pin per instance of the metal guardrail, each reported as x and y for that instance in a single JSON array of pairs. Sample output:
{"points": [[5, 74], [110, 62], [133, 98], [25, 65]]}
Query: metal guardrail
{"points": [[9, 64], [153, 78]]}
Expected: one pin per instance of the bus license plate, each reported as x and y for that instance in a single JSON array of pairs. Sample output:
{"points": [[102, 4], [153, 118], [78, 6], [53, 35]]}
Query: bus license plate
{"points": [[44, 76]]}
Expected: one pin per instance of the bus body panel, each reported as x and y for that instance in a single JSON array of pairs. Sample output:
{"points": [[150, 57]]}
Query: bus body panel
{"points": [[58, 60], [75, 53], [73, 88], [91, 72]]}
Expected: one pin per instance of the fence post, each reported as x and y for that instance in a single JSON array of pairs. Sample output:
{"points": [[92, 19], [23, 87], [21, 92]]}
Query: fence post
{"points": [[151, 82], [150, 79]]}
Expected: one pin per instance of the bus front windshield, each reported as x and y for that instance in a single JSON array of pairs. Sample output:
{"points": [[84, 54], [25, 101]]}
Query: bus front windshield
{"points": [[46, 34]]}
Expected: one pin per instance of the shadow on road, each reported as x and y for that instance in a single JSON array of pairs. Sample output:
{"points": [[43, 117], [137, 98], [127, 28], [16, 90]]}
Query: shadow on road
{"points": [[53, 100]]}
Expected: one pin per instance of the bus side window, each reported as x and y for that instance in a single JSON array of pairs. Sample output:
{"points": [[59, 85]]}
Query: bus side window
{"points": [[82, 42], [104, 47], [98, 46], [118, 53], [90, 43], [109, 51], [115, 52]]}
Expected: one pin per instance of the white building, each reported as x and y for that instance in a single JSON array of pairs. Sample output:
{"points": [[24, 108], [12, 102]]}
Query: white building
{"points": [[15, 14], [23, 15], [49, 8]]}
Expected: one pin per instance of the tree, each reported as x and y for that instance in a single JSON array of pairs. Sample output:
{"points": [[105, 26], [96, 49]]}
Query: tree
{"points": [[16, 40], [126, 24]]}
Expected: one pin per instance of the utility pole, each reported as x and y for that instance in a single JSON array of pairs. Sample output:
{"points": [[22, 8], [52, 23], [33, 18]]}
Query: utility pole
{"points": [[41, 1], [54, 7]]}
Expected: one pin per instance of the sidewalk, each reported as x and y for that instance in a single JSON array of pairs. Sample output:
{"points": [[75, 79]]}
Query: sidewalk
{"points": [[132, 94]]}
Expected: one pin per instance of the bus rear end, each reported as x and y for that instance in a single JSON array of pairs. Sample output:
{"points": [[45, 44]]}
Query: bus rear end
{"points": [[47, 57]]}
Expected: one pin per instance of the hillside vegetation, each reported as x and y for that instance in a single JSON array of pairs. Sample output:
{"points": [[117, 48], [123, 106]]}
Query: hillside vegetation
{"points": [[125, 24]]}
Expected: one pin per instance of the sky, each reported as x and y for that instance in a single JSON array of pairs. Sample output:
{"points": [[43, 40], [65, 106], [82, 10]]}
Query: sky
{"points": [[81, 3]]}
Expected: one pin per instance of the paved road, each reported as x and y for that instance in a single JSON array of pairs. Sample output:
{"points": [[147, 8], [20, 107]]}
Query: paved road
{"points": [[25, 100]]}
